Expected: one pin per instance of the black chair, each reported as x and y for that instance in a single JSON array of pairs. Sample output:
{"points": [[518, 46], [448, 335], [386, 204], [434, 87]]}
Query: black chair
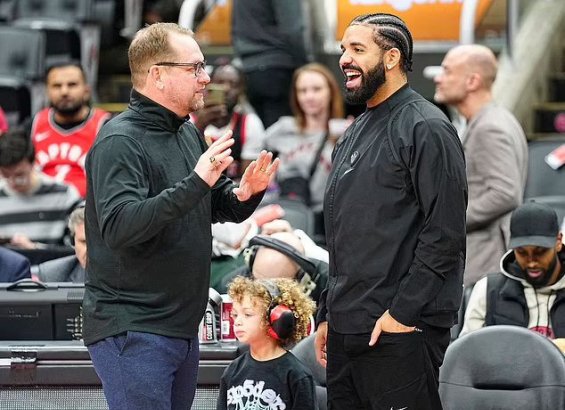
{"points": [[15, 100], [305, 352], [62, 39], [22, 66], [62, 10], [502, 367], [23, 53], [297, 213], [7, 9], [456, 329], [542, 179]]}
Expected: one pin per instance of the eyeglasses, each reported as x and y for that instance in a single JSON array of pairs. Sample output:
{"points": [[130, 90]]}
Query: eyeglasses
{"points": [[199, 67]]}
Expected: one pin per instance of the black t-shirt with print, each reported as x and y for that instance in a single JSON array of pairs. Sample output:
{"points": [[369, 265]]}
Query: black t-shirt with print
{"points": [[283, 383]]}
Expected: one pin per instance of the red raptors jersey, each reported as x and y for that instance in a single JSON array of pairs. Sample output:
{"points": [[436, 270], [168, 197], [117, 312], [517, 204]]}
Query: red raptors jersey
{"points": [[61, 153]]}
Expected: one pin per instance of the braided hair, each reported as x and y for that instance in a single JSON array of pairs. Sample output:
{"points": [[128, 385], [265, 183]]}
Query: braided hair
{"points": [[391, 32]]}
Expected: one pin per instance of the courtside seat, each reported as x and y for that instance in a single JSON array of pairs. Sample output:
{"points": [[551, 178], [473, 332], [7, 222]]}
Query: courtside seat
{"points": [[502, 367], [543, 180]]}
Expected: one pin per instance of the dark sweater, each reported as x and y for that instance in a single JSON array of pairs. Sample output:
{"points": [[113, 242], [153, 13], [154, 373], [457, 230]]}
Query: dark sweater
{"points": [[148, 217], [395, 218]]}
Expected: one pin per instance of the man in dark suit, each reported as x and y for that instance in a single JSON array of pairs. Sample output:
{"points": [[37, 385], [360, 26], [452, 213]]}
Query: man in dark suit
{"points": [[13, 266], [69, 268]]}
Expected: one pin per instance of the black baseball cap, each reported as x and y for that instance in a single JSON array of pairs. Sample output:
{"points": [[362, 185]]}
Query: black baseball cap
{"points": [[533, 224]]}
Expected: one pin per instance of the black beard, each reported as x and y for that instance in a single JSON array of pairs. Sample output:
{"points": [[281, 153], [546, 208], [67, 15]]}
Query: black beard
{"points": [[370, 83], [543, 280], [68, 111]]}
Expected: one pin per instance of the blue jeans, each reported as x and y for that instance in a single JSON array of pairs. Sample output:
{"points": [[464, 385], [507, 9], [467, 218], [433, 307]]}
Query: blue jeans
{"points": [[145, 371]]}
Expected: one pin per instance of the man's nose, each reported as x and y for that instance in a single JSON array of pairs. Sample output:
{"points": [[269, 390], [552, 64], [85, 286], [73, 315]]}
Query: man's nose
{"points": [[345, 59]]}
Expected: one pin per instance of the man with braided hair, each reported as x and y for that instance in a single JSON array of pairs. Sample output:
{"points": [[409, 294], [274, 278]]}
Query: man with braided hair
{"points": [[396, 273]]}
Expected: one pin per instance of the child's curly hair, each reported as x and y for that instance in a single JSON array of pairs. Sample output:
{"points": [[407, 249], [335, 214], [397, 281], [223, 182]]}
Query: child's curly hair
{"points": [[290, 295]]}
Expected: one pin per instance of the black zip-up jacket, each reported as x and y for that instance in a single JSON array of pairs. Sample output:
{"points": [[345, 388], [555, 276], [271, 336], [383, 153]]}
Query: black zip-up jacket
{"points": [[148, 225], [395, 218]]}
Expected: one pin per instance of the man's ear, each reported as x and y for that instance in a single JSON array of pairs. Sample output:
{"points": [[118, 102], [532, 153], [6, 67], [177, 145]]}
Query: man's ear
{"points": [[392, 58], [155, 77], [474, 82], [559, 243]]}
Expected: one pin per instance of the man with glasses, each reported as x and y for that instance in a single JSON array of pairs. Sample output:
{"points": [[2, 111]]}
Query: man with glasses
{"points": [[154, 188], [33, 206], [68, 268]]}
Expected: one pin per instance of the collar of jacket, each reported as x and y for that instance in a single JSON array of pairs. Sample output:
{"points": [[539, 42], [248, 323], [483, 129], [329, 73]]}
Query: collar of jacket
{"points": [[396, 98], [155, 113]]}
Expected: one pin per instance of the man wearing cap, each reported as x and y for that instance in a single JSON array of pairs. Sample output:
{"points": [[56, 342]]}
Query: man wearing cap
{"points": [[530, 290]]}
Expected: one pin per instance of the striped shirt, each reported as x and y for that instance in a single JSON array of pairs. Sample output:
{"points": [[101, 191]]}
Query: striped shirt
{"points": [[40, 215]]}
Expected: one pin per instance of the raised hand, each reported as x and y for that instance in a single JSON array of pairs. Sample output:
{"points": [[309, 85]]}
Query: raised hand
{"points": [[215, 159], [257, 176]]}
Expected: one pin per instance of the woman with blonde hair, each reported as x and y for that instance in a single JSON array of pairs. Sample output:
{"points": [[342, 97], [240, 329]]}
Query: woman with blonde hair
{"points": [[305, 141]]}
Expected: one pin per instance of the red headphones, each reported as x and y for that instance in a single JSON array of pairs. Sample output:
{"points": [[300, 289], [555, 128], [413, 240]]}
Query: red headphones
{"points": [[280, 318]]}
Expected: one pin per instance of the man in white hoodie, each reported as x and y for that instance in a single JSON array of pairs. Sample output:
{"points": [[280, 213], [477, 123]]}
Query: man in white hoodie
{"points": [[530, 289]]}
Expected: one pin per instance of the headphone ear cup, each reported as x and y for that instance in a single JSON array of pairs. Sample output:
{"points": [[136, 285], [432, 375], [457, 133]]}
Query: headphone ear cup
{"points": [[281, 322], [249, 256]]}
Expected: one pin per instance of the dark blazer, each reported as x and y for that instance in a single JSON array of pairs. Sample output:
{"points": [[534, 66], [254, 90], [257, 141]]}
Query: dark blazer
{"points": [[13, 266]]}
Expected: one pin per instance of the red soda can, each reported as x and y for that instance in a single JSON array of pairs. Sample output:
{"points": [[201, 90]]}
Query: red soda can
{"points": [[227, 333]]}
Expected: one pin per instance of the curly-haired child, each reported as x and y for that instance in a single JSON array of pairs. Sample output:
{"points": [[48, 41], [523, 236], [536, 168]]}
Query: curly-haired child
{"points": [[269, 316]]}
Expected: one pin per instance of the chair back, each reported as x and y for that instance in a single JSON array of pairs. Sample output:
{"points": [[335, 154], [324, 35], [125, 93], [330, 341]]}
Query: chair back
{"points": [[542, 179], [502, 367], [23, 53], [62, 10]]}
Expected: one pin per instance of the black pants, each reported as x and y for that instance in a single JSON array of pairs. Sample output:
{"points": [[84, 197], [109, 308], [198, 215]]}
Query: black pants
{"points": [[399, 372], [268, 91]]}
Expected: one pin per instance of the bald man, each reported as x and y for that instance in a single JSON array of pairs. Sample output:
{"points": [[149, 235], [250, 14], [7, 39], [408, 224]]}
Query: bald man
{"points": [[268, 259], [270, 263], [495, 150]]}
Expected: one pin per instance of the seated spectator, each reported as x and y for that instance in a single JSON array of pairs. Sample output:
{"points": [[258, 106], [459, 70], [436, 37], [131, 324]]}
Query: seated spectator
{"points": [[33, 206], [69, 268], [311, 249], [230, 239], [303, 141], [64, 132], [270, 316], [13, 266], [225, 109], [530, 290], [281, 255]]}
